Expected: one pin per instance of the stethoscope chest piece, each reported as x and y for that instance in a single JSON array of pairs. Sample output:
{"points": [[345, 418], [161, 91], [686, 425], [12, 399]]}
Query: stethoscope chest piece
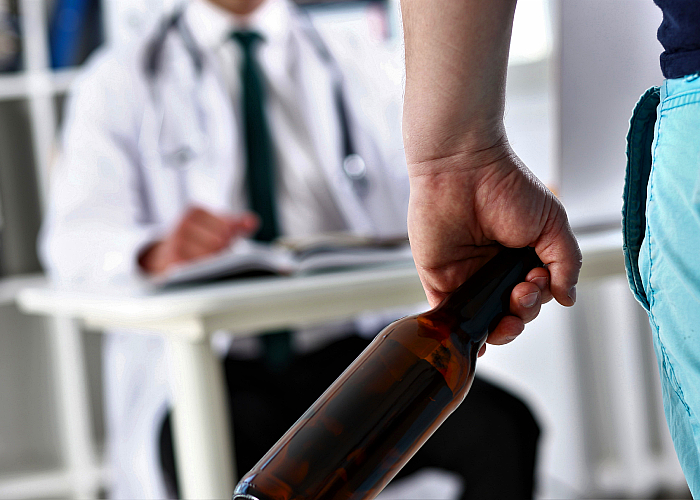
{"points": [[355, 169]]}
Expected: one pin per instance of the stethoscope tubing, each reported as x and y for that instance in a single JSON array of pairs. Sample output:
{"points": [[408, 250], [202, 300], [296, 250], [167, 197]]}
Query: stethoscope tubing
{"points": [[353, 165]]}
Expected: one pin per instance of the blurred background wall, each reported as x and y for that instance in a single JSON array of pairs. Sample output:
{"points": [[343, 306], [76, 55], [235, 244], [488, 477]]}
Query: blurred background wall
{"points": [[577, 68]]}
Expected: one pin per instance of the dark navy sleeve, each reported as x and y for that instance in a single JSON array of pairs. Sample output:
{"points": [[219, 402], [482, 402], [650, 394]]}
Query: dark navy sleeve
{"points": [[679, 34]]}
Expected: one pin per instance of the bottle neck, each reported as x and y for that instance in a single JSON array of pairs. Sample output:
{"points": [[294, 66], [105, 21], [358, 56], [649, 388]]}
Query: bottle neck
{"points": [[476, 307]]}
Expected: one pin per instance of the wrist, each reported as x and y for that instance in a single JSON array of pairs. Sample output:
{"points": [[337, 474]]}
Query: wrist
{"points": [[468, 156]]}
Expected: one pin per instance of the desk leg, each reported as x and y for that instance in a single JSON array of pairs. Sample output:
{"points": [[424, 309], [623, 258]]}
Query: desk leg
{"points": [[74, 405], [200, 422]]}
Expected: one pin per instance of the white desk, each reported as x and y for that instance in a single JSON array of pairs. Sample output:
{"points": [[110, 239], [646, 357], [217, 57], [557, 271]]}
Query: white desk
{"points": [[188, 317]]}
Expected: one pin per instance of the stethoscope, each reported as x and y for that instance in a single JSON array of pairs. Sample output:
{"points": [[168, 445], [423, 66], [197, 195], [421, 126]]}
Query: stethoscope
{"points": [[353, 165]]}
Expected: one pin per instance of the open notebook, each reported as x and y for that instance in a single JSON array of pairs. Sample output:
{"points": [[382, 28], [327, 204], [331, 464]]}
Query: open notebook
{"points": [[289, 256]]}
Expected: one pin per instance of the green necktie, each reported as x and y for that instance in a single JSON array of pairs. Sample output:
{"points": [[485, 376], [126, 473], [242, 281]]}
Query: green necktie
{"points": [[260, 175], [260, 169]]}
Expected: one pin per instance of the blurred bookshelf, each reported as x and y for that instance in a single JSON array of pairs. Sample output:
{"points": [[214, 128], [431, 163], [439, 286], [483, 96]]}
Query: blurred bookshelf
{"points": [[42, 45]]}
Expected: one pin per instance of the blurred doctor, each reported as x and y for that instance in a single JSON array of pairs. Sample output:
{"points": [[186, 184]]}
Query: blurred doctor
{"points": [[154, 170], [155, 129]]}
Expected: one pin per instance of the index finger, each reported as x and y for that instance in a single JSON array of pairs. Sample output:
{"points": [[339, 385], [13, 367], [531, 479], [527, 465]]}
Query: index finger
{"points": [[209, 222], [243, 224]]}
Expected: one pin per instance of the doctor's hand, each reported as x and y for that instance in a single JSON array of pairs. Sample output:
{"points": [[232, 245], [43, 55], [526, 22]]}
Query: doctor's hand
{"points": [[464, 205], [199, 233]]}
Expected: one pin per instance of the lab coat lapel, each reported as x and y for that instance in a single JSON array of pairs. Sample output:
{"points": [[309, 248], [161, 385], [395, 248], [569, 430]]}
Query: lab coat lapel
{"points": [[197, 138], [214, 181], [322, 119]]}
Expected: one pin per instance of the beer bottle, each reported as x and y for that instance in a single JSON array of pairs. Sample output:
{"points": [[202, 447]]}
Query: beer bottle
{"points": [[377, 414]]}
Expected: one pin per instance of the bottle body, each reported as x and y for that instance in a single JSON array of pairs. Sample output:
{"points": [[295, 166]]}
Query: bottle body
{"points": [[379, 412], [372, 420]]}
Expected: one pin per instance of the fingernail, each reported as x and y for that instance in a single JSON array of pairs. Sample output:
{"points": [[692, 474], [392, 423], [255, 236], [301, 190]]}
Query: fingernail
{"points": [[511, 339], [572, 294], [529, 300], [541, 282]]}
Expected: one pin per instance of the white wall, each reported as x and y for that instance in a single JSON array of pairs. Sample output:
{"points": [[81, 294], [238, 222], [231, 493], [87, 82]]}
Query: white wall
{"points": [[608, 57]]}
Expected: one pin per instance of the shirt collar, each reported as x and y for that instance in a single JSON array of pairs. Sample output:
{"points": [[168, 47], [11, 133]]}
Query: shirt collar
{"points": [[212, 25]]}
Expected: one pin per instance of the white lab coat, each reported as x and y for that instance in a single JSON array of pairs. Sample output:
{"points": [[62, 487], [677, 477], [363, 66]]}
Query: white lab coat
{"points": [[134, 153], [125, 173]]}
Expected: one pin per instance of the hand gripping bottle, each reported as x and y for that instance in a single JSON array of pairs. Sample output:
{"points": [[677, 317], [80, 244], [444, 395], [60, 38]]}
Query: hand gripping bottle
{"points": [[379, 412]]}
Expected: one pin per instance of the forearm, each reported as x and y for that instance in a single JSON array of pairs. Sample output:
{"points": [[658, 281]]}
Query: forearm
{"points": [[456, 62]]}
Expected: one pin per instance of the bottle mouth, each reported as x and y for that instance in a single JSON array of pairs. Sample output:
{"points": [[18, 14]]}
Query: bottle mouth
{"points": [[244, 496]]}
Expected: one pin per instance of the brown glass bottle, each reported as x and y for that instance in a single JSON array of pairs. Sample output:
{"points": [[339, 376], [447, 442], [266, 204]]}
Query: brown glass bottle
{"points": [[379, 412]]}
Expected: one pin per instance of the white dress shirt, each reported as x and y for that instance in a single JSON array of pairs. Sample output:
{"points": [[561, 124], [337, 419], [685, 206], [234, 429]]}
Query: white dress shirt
{"points": [[304, 201]]}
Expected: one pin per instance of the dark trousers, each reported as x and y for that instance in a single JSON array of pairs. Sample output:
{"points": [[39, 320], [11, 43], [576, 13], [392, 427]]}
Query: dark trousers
{"points": [[490, 440]]}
